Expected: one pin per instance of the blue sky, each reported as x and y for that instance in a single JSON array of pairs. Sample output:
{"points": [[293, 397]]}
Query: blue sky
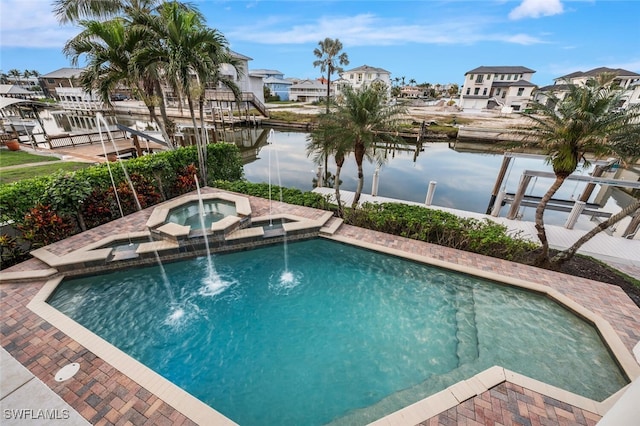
{"points": [[434, 41]]}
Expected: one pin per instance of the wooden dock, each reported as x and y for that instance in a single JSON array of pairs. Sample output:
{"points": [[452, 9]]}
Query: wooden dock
{"points": [[615, 250]]}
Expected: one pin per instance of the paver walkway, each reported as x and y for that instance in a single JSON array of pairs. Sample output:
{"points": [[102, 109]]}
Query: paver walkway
{"points": [[622, 253]]}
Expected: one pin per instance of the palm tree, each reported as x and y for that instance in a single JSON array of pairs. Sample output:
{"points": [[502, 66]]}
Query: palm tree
{"points": [[108, 47], [15, 73], [327, 139], [147, 76], [67, 11], [215, 78], [586, 120], [189, 50], [72, 10], [365, 117], [330, 60], [412, 82]]}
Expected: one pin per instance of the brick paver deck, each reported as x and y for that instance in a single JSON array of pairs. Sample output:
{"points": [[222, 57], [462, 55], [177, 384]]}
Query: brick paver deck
{"points": [[105, 396], [509, 404]]}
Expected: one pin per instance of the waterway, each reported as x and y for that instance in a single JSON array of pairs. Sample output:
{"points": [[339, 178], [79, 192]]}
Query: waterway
{"points": [[464, 179]]}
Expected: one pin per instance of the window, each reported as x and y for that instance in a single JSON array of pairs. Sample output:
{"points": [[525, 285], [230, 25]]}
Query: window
{"points": [[484, 92], [497, 92], [488, 76], [51, 81], [468, 90], [520, 91], [501, 76], [479, 78], [351, 76], [508, 76], [515, 107], [476, 91], [471, 77]]}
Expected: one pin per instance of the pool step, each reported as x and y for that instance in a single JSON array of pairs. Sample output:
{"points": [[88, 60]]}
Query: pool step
{"points": [[467, 331]]}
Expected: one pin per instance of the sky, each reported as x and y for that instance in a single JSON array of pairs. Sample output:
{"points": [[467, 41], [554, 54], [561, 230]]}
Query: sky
{"points": [[429, 41]]}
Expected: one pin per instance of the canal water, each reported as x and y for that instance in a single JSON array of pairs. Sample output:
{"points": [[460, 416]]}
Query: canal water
{"points": [[464, 178]]}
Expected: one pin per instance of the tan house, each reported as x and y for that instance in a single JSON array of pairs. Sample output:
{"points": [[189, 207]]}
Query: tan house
{"points": [[628, 81], [502, 88]]}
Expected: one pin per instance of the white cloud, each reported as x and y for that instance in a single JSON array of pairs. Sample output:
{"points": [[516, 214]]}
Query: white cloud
{"points": [[536, 9], [31, 23], [371, 30]]}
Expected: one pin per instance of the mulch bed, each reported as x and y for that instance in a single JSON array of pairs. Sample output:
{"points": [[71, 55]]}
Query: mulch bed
{"points": [[585, 267]]}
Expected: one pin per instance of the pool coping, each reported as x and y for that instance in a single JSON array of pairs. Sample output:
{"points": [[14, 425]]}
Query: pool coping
{"points": [[202, 413]]}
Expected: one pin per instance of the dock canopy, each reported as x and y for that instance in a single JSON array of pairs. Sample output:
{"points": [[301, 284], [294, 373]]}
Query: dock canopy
{"points": [[8, 102]]}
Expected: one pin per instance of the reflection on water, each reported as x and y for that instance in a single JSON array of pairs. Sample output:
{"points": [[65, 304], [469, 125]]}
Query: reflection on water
{"points": [[464, 179]]}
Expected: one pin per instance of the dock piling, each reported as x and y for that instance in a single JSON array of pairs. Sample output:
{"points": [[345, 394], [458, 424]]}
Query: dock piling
{"points": [[430, 192]]}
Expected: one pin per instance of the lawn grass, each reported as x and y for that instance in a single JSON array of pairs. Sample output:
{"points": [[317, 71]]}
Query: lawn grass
{"points": [[17, 174], [14, 158]]}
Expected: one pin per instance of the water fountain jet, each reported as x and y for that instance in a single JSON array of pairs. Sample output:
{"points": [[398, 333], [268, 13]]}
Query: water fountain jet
{"points": [[176, 311], [213, 283]]}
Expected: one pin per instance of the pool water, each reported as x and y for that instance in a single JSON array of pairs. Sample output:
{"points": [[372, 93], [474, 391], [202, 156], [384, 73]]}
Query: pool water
{"points": [[189, 214], [345, 336]]}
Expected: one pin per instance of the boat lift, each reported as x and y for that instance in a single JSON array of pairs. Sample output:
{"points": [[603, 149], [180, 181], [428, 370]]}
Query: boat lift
{"points": [[575, 208]]}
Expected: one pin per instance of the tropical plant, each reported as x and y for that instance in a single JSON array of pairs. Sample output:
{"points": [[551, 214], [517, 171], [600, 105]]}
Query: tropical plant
{"points": [[330, 58], [586, 120], [66, 193], [43, 226], [108, 47], [72, 10], [365, 118], [326, 140], [15, 73], [189, 48]]}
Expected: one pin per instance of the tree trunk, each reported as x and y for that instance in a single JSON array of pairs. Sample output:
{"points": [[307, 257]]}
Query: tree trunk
{"points": [[336, 185], [543, 257], [202, 159], [359, 155], [165, 116], [81, 223], [567, 254], [328, 86]]}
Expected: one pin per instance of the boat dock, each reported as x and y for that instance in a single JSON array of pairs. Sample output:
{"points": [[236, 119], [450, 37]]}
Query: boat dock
{"points": [[622, 253]]}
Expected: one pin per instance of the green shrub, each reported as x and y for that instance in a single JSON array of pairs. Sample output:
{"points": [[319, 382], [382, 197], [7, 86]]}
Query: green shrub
{"points": [[160, 170], [438, 227], [289, 195]]}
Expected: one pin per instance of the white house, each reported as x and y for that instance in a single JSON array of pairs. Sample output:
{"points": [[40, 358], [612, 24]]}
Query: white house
{"points": [[308, 91], [628, 81], [506, 88], [365, 76]]}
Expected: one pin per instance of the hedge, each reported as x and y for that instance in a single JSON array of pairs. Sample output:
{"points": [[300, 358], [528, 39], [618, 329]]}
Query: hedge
{"points": [[224, 162]]}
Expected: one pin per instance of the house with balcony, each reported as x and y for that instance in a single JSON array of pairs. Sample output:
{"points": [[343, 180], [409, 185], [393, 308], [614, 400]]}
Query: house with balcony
{"points": [[309, 91], [628, 81], [502, 88], [364, 75], [249, 83], [64, 86]]}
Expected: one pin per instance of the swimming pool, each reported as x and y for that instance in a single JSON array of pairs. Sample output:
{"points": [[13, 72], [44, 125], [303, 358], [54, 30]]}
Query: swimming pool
{"points": [[354, 335]]}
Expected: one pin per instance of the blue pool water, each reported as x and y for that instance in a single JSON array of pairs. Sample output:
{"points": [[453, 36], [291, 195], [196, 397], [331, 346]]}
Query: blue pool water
{"points": [[347, 336], [189, 213]]}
